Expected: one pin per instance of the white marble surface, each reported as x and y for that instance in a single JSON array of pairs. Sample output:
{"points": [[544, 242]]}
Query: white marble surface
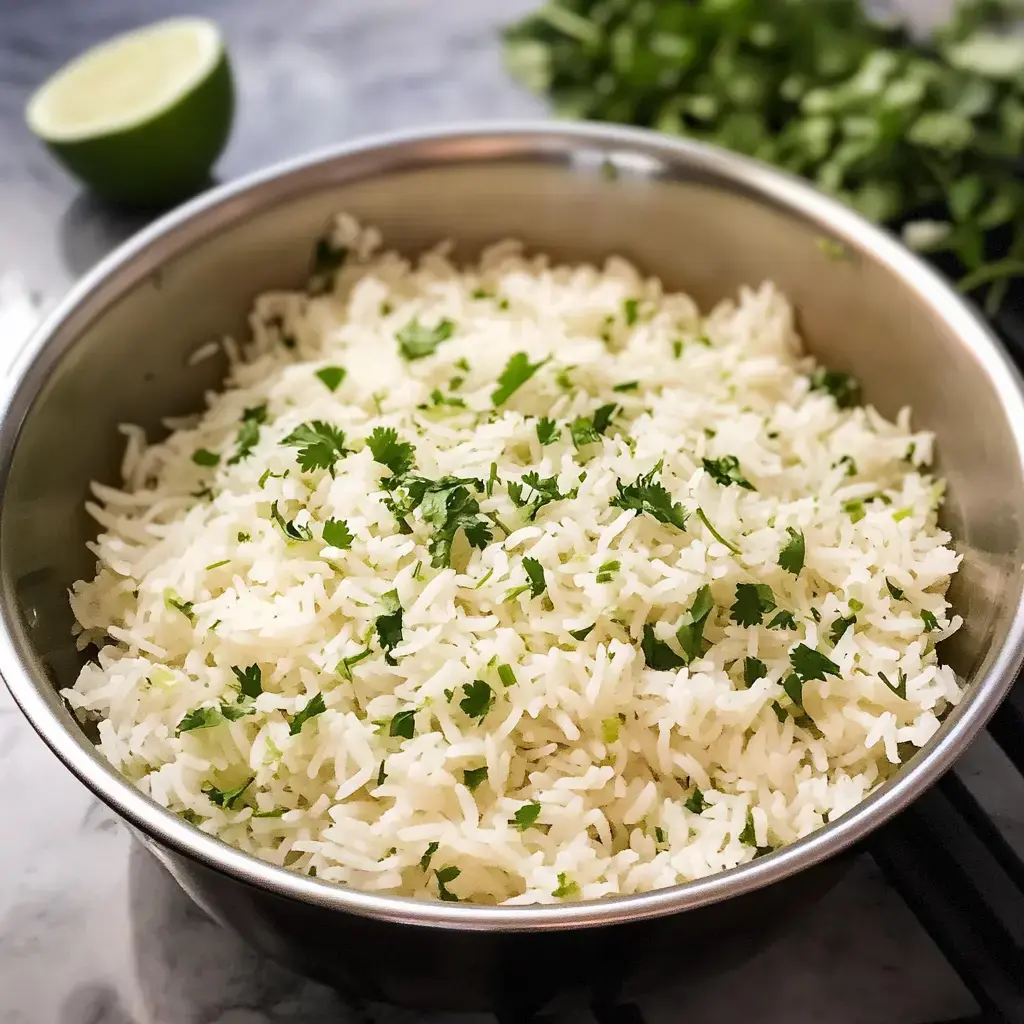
{"points": [[91, 930]]}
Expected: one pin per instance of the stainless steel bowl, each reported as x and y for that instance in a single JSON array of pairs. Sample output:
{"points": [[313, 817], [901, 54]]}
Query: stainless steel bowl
{"points": [[703, 220]]}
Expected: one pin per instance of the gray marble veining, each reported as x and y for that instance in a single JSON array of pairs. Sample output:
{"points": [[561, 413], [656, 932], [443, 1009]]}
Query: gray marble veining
{"points": [[91, 929]]}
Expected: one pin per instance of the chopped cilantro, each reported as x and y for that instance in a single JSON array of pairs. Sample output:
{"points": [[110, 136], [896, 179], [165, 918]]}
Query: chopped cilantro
{"points": [[291, 530], [703, 517], [389, 625], [472, 777], [242, 537], [677, 348], [811, 664], [444, 876], [248, 434], [517, 372], [345, 666], [843, 387], [896, 592], [267, 474], [657, 654], [439, 399], [603, 417], [753, 669], [900, 689], [426, 858], [328, 258], [337, 534], [204, 457], [227, 798], [583, 432], [902, 513], [535, 572], [849, 462], [783, 620], [217, 565], [416, 341], [855, 605], [250, 680], [548, 431], [780, 711], [929, 621], [627, 385], [479, 699], [749, 835], [610, 729], [690, 633], [646, 494], [526, 816], [544, 491], [403, 724], [381, 774], [816, 615], [630, 311], [174, 603], [191, 817], [506, 675], [581, 634], [696, 803], [199, 718], [606, 570], [314, 706], [854, 509], [839, 628], [726, 470], [659, 835], [492, 479], [320, 445], [753, 600], [398, 456], [277, 812], [331, 377], [562, 378], [567, 889], [793, 552], [794, 687]]}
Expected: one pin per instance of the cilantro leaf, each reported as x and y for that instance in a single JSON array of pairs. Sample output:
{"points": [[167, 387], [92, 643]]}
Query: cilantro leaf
{"points": [[173, 602], [526, 816], [320, 445], [337, 534], [398, 456], [726, 470], [403, 724], [603, 417], [545, 490], [314, 706], [291, 530], [626, 385], [250, 680], [227, 798], [331, 377], [583, 432], [929, 621], [241, 707], [896, 592], [646, 494], [581, 634], [450, 509], [328, 258], [517, 372], [444, 876], [794, 687], [753, 600], [248, 434], [479, 699], [567, 889], [749, 835], [783, 620], [199, 718], [204, 457], [630, 311], [843, 387], [430, 851], [345, 666], [792, 555], [472, 777], [389, 625], [900, 689], [810, 664], [657, 654], [535, 572], [753, 669], [840, 626], [606, 570], [548, 431], [690, 633], [416, 341], [696, 803]]}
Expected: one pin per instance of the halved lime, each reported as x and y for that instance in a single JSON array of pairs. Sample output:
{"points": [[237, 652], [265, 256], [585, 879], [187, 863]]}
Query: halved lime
{"points": [[141, 118]]}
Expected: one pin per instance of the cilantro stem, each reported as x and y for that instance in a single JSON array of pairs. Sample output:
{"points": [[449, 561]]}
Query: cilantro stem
{"points": [[701, 515], [493, 516]]}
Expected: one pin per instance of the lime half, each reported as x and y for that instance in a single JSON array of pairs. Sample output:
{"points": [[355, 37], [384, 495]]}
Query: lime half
{"points": [[141, 118]]}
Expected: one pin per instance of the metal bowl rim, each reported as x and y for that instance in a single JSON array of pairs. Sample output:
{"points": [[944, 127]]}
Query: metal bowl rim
{"points": [[530, 138]]}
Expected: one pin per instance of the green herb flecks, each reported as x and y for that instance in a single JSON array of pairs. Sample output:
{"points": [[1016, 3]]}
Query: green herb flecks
{"points": [[250, 680], [726, 471], [345, 666], [331, 377], [526, 817], [389, 625], [810, 664], [696, 803], [204, 457], [432, 848], [843, 387], [248, 433], [793, 552], [929, 621], [517, 372], [753, 601], [173, 602], [289, 528], [417, 342], [703, 517], [398, 456], [581, 634], [403, 724], [227, 798], [657, 654], [690, 633], [444, 876], [782, 620], [534, 492], [567, 889], [900, 687], [753, 669], [473, 777], [839, 627], [337, 534], [895, 592], [606, 570], [506, 675], [319, 444], [478, 700], [649, 496], [314, 706]]}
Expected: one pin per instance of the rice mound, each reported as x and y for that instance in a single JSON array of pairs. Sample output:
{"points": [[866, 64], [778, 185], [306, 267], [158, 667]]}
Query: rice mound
{"points": [[596, 703]]}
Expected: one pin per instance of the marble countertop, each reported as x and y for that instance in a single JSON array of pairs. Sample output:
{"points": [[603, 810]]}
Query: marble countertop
{"points": [[91, 929]]}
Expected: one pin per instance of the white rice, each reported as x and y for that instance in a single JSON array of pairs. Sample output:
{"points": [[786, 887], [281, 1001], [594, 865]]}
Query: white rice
{"points": [[613, 752]]}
